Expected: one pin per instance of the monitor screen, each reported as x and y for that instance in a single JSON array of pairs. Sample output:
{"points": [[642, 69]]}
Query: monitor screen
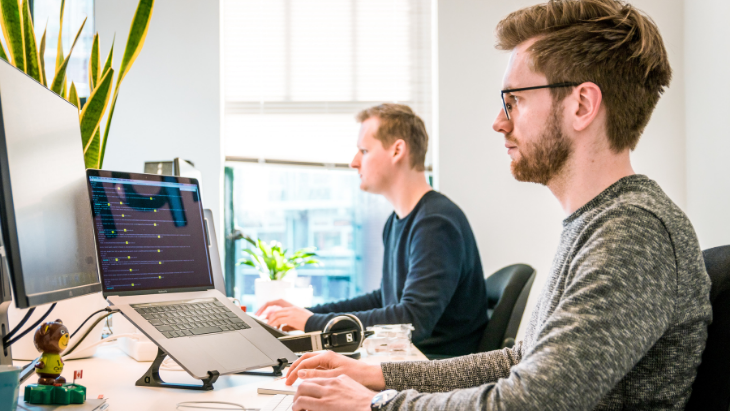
{"points": [[149, 231], [44, 207]]}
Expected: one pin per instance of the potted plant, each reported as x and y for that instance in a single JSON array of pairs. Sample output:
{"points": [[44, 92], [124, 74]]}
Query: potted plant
{"points": [[23, 53], [277, 270]]}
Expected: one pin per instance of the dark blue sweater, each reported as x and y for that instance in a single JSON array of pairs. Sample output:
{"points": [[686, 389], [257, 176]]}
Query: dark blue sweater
{"points": [[432, 278]]}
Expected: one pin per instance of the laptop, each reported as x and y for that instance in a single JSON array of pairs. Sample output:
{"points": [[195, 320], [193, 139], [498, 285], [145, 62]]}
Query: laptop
{"points": [[155, 268]]}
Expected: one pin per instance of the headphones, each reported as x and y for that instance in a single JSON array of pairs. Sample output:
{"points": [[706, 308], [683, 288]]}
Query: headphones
{"points": [[343, 333]]}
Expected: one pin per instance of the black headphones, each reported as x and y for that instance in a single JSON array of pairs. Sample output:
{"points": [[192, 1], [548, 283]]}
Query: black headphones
{"points": [[343, 333]]}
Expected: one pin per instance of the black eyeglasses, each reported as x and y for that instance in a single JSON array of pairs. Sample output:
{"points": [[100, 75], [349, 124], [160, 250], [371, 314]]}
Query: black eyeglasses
{"points": [[508, 107]]}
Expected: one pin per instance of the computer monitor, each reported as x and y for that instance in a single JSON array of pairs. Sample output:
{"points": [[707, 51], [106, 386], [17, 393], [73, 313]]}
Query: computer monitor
{"points": [[45, 217]]}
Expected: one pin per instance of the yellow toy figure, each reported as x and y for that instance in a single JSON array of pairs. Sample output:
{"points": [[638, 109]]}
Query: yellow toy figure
{"points": [[51, 339]]}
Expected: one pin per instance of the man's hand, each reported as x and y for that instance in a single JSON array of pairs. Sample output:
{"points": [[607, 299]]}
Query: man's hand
{"points": [[329, 365], [295, 318], [274, 303], [335, 394]]}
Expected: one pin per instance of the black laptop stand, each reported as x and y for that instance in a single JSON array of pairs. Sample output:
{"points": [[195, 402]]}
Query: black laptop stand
{"points": [[152, 377]]}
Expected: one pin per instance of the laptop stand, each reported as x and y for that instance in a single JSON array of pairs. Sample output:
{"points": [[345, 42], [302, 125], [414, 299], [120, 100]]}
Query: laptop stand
{"points": [[276, 372], [152, 377]]}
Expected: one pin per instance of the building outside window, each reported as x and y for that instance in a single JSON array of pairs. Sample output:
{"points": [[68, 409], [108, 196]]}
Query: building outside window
{"points": [[295, 73]]}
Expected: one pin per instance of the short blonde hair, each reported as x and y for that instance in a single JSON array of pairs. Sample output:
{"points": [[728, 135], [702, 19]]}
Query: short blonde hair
{"points": [[398, 121]]}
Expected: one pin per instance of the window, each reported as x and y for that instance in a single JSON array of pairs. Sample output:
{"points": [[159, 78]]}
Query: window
{"points": [[47, 12], [295, 73]]}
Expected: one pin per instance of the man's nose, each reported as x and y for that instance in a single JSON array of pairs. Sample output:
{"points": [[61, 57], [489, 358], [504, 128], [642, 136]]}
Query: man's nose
{"points": [[355, 163], [502, 124]]}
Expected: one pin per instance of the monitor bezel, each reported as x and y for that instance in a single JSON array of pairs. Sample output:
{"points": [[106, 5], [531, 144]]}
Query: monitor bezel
{"points": [[90, 172], [9, 229]]}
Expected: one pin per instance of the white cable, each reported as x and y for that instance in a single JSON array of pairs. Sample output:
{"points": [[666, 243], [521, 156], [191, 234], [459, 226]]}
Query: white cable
{"points": [[190, 404]]}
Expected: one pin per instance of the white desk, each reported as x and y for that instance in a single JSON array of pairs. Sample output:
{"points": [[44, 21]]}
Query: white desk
{"points": [[112, 373]]}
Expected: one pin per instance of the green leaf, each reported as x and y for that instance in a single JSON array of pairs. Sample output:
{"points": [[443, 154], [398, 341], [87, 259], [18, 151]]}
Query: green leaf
{"points": [[247, 238], [41, 53], [242, 262], [135, 41], [73, 96], [59, 48], [32, 63], [91, 157], [60, 78], [94, 74], [137, 35], [94, 109], [12, 25], [109, 57]]}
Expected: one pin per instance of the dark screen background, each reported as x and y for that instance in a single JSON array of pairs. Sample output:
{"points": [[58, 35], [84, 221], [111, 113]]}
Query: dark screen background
{"points": [[150, 234]]}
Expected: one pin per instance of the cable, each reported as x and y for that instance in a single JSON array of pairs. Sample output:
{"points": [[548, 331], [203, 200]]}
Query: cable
{"points": [[20, 325], [191, 404], [87, 319], [91, 327], [29, 329]]}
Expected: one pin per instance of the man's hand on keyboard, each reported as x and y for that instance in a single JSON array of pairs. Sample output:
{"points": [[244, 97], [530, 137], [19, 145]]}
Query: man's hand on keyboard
{"points": [[332, 394], [295, 318], [330, 364]]}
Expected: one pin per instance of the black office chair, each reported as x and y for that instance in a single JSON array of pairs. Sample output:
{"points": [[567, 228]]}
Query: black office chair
{"points": [[711, 389], [507, 292]]}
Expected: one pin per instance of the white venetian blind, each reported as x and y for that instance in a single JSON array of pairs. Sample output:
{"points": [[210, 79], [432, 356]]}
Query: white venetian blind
{"points": [[297, 71]]}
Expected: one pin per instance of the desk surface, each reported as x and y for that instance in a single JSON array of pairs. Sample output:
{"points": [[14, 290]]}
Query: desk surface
{"points": [[112, 373]]}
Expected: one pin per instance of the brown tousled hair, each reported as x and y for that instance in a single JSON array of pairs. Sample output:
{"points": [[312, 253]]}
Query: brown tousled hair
{"points": [[398, 121], [607, 42]]}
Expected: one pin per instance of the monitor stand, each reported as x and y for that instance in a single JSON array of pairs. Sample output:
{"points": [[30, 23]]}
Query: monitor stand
{"points": [[5, 300]]}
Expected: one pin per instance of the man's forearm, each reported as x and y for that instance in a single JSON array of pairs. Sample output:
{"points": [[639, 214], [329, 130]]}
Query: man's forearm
{"points": [[361, 303]]}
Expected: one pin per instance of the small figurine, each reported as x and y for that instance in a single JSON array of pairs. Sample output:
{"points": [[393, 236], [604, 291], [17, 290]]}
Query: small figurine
{"points": [[51, 339]]}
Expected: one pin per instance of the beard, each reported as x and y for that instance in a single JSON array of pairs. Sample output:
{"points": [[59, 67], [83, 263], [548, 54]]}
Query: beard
{"points": [[541, 161]]}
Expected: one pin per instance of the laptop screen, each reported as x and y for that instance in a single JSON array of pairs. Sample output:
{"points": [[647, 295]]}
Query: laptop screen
{"points": [[149, 232]]}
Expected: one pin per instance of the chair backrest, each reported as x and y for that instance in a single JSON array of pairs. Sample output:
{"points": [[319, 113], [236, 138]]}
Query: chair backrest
{"points": [[507, 292], [711, 389]]}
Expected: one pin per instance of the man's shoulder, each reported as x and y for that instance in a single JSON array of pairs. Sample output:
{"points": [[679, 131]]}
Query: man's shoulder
{"points": [[437, 204]]}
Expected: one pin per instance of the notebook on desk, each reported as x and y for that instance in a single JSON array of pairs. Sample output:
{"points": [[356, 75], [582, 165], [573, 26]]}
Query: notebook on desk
{"points": [[155, 268], [89, 405]]}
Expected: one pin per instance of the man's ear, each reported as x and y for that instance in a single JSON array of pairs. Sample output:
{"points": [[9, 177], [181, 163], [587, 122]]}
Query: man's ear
{"points": [[398, 151], [587, 104]]}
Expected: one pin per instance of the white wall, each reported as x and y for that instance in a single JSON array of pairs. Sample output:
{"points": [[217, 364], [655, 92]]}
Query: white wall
{"points": [[169, 103], [707, 40], [520, 222]]}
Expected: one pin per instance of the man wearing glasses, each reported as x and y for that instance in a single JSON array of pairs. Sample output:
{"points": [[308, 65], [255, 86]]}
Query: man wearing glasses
{"points": [[622, 320]]}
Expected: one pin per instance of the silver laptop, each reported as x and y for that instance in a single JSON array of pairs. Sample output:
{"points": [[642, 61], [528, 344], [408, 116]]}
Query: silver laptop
{"points": [[155, 268]]}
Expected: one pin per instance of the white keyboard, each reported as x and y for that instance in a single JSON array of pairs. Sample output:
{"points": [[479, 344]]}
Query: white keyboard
{"points": [[279, 402]]}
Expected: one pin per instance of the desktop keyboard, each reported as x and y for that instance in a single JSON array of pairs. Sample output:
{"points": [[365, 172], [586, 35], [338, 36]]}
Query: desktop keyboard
{"points": [[190, 318], [279, 402]]}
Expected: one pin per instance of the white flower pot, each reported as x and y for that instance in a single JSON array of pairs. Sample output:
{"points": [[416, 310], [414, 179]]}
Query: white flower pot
{"points": [[268, 290]]}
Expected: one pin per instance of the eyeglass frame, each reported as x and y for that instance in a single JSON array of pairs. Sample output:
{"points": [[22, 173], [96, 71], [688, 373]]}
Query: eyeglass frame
{"points": [[555, 85]]}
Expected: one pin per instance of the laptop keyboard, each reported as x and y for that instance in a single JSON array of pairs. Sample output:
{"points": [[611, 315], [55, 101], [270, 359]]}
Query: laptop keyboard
{"points": [[279, 403], [190, 318]]}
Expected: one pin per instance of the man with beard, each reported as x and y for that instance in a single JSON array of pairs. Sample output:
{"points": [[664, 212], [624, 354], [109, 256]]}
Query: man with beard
{"points": [[622, 320], [432, 273]]}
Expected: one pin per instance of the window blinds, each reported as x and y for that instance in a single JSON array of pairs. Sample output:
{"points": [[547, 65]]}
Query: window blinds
{"points": [[295, 72]]}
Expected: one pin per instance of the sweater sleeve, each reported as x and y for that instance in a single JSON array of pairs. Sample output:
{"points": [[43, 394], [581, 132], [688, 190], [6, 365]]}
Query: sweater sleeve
{"points": [[325, 312], [434, 270], [618, 301]]}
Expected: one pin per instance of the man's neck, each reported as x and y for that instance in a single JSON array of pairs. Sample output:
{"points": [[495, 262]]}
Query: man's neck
{"points": [[585, 177], [406, 191]]}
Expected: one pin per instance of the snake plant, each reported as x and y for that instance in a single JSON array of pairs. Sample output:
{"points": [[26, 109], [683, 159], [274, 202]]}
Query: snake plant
{"points": [[26, 55], [271, 260]]}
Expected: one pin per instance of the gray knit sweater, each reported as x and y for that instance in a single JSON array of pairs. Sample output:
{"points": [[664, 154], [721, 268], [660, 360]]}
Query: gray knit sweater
{"points": [[620, 324]]}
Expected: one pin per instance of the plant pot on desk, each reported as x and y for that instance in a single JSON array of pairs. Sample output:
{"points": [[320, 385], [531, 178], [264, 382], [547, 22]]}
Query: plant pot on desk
{"points": [[268, 290]]}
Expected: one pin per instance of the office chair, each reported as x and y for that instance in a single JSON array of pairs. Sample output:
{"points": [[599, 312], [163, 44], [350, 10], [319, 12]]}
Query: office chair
{"points": [[711, 389], [507, 292]]}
